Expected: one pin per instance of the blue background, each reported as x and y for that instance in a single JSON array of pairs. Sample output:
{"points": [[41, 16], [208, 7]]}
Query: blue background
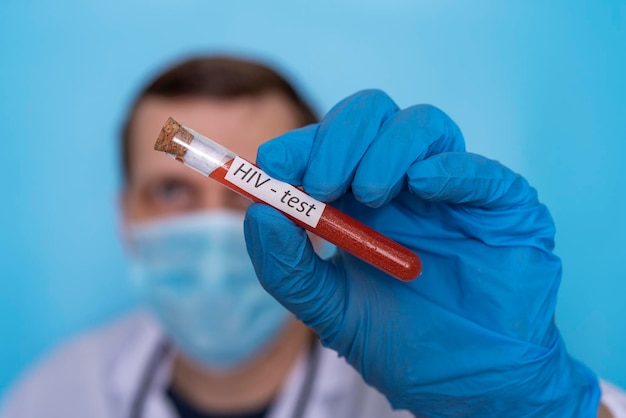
{"points": [[540, 87]]}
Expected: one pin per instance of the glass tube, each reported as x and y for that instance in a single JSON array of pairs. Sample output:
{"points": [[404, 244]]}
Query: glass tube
{"points": [[211, 159]]}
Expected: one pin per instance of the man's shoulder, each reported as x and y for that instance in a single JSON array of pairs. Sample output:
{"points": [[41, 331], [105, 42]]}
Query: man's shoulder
{"points": [[614, 398], [99, 346], [81, 364], [110, 338]]}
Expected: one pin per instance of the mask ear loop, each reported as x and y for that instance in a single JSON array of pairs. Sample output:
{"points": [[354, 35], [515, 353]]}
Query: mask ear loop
{"points": [[139, 400]]}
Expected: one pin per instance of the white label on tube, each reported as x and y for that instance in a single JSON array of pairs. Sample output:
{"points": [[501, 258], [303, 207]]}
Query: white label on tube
{"points": [[283, 196]]}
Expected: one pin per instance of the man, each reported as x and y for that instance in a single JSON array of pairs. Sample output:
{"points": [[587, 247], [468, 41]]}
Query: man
{"points": [[220, 345], [473, 336]]}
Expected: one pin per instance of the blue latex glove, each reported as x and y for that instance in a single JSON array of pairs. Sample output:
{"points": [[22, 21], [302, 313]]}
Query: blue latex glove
{"points": [[475, 334]]}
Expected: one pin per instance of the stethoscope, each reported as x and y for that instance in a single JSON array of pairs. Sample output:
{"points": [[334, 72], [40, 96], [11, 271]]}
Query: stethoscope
{"points": [[164, 348]]}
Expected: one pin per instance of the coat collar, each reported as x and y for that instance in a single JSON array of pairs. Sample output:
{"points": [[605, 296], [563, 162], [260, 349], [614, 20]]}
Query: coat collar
{"points": [[335, 389]]}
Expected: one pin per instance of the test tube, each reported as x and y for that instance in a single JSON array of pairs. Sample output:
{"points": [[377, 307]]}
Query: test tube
{"points": [[211, 159]]}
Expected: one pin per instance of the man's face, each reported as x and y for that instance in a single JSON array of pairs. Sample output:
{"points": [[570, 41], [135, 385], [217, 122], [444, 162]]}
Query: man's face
{"points": [[159, 186]]}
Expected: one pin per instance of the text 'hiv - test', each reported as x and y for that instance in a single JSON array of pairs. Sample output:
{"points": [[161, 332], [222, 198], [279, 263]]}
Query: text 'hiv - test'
{"points": [[274, 192]]}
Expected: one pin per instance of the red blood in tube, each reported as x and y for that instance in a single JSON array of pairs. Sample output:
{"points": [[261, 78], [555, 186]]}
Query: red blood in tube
{"points": [[351, 235]]}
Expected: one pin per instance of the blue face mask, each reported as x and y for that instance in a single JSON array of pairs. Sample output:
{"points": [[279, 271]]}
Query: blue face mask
{"points": [[195, 274]]}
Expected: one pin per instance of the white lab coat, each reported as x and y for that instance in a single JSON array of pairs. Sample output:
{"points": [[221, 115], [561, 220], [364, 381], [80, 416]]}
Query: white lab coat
{"points": [[98, 376]]}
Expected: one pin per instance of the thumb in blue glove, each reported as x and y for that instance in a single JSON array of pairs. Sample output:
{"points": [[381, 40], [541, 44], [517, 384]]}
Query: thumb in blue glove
{"points": [[475, 334]]}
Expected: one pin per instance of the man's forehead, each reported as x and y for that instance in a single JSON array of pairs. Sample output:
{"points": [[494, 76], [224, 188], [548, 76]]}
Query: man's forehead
{"points": [[239, 124]]}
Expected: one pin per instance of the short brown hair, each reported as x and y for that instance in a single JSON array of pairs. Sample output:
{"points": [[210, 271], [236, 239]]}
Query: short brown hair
{"points": [[216, 77]]}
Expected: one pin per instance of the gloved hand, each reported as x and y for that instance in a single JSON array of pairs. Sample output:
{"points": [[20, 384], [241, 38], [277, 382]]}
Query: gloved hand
{"points": [[475, 334]]}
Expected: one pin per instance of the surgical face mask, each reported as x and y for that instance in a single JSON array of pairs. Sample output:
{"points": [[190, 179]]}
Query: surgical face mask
{"points": [[195, 274]]}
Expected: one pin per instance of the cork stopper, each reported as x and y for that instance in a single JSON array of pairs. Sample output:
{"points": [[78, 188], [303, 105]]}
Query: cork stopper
{"points": [[165, 142]]}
